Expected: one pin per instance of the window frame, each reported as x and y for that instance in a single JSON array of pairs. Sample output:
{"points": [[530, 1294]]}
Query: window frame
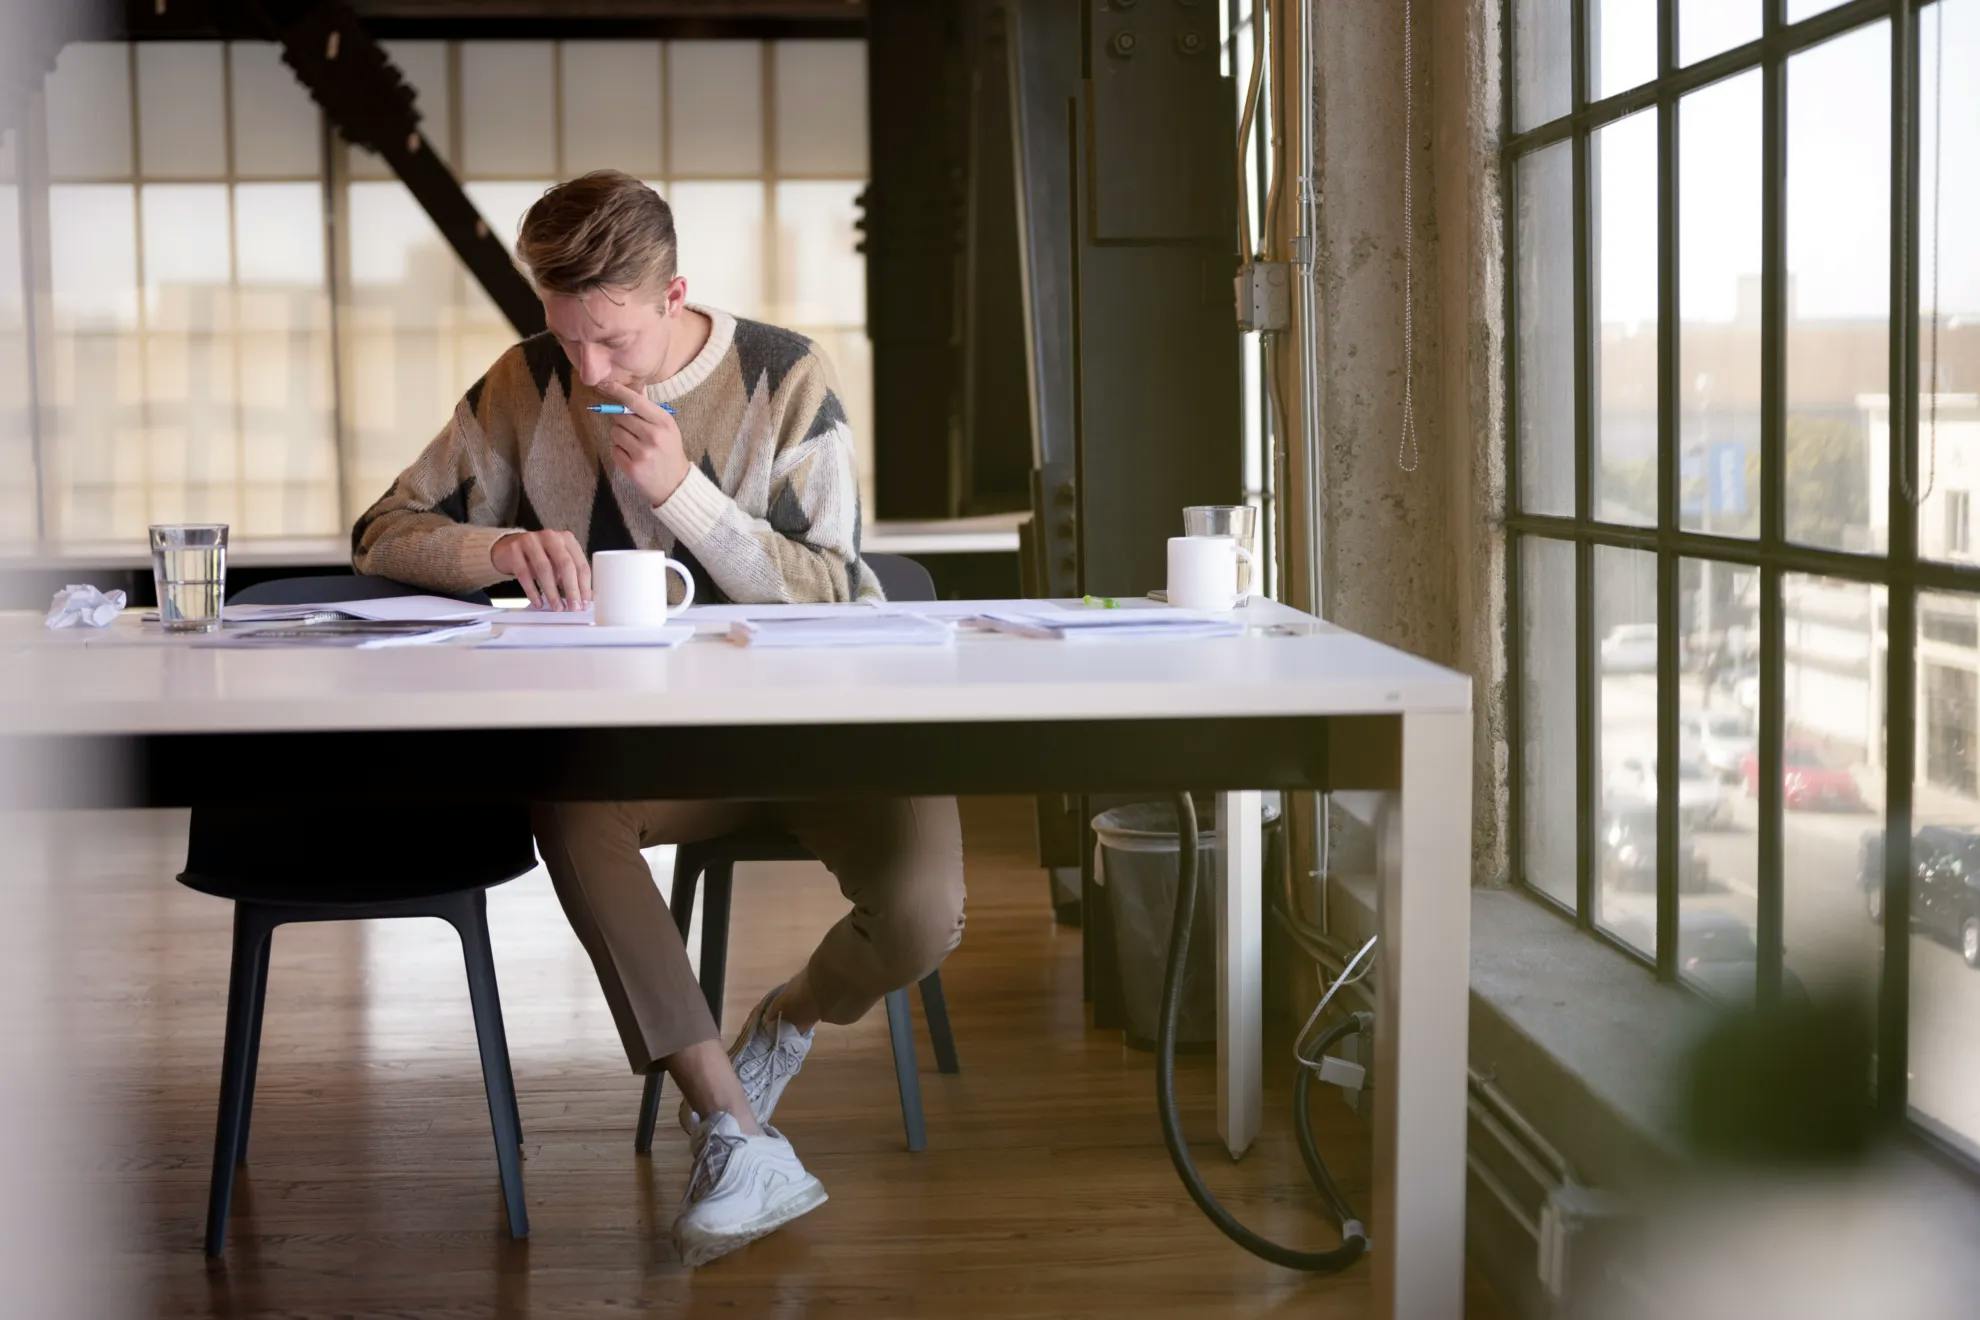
{"points": [[1899, 569], [333, 174]]}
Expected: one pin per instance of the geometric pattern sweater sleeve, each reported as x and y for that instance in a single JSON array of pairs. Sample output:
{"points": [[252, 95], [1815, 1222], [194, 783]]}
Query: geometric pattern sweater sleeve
{"points": [[769, 511]]}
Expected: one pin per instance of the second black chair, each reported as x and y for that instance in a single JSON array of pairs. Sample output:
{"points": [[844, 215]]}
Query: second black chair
{"points": [[902, 579]]}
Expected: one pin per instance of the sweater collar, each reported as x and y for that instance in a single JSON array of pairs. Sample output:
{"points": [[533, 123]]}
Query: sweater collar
{"points": [[721, 334]]}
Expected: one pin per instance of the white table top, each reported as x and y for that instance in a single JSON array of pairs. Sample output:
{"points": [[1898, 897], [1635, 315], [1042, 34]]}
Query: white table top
{"points": [[131, 679]]}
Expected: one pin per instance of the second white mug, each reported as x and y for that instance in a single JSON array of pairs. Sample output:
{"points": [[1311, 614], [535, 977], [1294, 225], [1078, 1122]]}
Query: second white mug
{"points": [[1203, 572], [629, 588]]}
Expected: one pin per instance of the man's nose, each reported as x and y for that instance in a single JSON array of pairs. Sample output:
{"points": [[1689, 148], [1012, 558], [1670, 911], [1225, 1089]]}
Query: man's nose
{"points": [[594, 365]]}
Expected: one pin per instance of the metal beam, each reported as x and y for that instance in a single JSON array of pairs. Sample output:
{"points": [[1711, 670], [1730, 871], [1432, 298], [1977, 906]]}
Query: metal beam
{"points": [[372, 105]]}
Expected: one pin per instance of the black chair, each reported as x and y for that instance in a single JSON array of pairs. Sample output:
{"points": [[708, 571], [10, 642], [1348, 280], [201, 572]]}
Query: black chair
{"points": [[294, 864], [902, 579]]}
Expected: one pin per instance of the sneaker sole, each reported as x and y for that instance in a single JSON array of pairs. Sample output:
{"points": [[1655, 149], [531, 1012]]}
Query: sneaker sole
{"points": [[700, 1248]]}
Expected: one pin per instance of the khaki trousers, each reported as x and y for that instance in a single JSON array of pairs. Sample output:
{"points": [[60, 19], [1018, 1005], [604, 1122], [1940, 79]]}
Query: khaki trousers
{"points": [[898, 861]]}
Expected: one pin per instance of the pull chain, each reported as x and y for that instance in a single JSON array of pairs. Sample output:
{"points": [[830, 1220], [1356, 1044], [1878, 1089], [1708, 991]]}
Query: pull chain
{"points": [[1938, 202], [1407, 452]]}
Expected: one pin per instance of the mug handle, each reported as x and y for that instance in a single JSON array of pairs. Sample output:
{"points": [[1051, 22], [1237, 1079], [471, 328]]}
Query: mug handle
{"points": [[687, 582], [1244, 558]]}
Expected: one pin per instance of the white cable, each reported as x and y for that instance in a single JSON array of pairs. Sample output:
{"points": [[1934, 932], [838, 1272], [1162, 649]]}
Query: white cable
{"points": [[1407, 452], [1347, 972], [1246, 250], [1917, 498]]}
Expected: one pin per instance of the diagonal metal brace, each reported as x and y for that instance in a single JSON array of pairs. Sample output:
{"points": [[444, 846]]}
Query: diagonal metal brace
{"points": [[370, 102]]}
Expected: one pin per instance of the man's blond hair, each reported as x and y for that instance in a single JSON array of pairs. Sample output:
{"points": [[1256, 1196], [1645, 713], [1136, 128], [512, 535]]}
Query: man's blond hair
{"points": [[601, 228]]}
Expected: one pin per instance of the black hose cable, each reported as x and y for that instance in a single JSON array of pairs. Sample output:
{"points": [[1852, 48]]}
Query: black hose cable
{"points": [[1309, 1150], [1354, 1237]]}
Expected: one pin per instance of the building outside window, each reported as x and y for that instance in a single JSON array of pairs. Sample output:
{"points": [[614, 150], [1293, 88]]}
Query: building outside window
{"points": [[1744, 437]]}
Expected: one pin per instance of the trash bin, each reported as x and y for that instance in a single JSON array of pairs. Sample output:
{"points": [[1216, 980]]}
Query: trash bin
{"points": [[1136, 865]]}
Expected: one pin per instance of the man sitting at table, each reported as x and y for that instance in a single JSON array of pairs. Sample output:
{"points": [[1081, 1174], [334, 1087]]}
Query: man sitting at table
{"points": [[752, 486]]}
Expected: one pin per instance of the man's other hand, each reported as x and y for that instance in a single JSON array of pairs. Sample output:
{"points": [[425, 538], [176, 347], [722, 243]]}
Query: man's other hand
{"points": [[549, 566], [646, 445]]}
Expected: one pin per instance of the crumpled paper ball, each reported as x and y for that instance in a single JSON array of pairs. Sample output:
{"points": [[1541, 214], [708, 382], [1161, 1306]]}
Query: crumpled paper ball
{"points": [[84, 605]]}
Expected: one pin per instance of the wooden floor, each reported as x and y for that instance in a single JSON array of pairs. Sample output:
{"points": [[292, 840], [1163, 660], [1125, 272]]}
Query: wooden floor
{"points": [[372, 1189]]}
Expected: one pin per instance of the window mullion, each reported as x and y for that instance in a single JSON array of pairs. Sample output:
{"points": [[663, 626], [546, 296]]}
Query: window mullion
{"points": [[1587, 709], [1669, 842], [1900, 669], [1773, 414]]}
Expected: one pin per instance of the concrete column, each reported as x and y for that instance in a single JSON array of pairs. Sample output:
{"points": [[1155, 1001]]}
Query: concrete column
{"points": [[1416, 559]]}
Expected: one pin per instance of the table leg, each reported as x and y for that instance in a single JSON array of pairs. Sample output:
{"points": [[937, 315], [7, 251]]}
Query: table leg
{"points": [[1423, 985], [1240, 969]]}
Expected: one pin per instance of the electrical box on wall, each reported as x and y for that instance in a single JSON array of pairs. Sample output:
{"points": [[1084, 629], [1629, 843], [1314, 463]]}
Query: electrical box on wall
{"points": [[1264, 295]]}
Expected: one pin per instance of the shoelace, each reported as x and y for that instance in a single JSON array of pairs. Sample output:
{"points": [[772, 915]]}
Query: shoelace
{"points": [[711, 1162], [780, 1060]]}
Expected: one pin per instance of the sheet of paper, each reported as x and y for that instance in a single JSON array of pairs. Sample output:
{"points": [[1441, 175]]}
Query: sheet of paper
{"points": [[1067, 624], [861, 628], [420, 609], [360, 634], [272, 613], [542, 639], [509, 618]]}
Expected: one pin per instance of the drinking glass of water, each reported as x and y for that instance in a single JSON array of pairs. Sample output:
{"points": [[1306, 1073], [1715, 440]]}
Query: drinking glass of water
{"points": [[1237, 521], [189, 564]]}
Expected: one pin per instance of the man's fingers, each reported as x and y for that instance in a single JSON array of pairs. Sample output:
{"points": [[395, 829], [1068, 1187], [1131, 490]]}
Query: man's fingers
{"points": [[642, 407], [567, 573], [583, 567], [545, 574], [526, 582], [626, 432]]}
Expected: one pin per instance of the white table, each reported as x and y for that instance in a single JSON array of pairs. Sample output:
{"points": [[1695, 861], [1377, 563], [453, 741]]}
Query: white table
{"points": [[1293, 704]]}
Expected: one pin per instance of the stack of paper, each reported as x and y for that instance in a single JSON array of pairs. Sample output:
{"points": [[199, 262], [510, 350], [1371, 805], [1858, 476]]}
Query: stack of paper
{"points": [[384, 609], [543, 639], [419, 609], [1086, 624], [362, 634], [851, 626]]}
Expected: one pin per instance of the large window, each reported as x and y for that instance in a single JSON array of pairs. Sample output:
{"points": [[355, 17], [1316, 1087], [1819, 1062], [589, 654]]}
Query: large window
{"points": [[251, 321], [1745, 432]]}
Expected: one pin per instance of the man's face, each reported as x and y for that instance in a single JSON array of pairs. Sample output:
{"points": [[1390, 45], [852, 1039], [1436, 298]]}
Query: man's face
{"points": [[614, 333]]}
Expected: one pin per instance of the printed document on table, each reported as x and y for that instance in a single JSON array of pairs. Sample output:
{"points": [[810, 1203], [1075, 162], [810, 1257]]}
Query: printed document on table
{"points": [[547, 639], [1079, 623], [842, 628], [414, 609]]}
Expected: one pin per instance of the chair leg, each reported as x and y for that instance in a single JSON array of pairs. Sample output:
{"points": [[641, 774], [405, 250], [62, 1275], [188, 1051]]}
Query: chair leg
{"points": [[244, 989], [715, 936], [687, 877], [935, 1007], [254, 1042], [470, 918], [649, 1113], [900, 1026], [680, 900]]}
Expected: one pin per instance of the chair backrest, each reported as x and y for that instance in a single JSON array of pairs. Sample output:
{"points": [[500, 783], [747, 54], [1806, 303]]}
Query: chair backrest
{"points": [[329, 587], [900, 577]]}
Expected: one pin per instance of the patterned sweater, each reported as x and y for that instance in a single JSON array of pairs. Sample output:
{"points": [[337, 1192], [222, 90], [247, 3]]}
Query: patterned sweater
{"points": [[769, 512]]}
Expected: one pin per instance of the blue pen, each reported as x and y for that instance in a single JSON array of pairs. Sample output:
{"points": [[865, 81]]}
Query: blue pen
{"points": [[620, 409]]}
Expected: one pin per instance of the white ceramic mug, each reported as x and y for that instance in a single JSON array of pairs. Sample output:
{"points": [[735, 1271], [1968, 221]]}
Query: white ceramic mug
{"points": [[629, 588], [1203, 572]]}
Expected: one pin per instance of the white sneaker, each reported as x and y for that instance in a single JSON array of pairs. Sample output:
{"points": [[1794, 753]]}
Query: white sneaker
{"points": [[766, 1055], [742, 1187]]}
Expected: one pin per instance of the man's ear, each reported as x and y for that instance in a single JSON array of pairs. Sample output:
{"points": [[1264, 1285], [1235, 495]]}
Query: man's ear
{"points": [[675, 297]]}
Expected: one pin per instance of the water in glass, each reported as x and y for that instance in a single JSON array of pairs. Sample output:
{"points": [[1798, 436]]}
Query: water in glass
{"points": [[189, 566]]}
